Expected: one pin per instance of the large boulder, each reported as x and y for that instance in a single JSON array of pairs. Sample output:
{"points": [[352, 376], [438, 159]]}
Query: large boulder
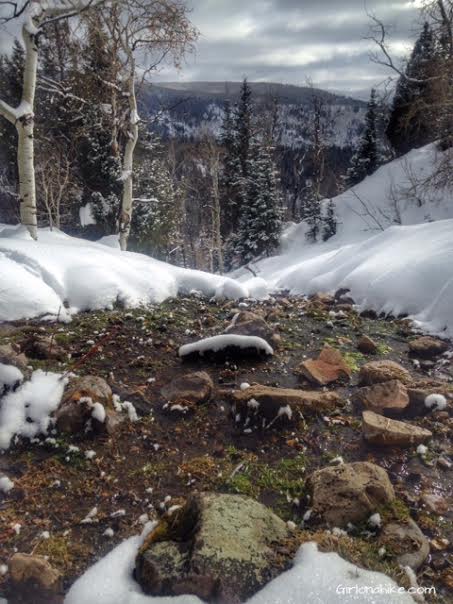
{"points": [[380, 430], [246, 323], [405, 540], [87, 403], [221, 548], [264, 405], [329, 367], [196, 387], [376, 372], [33, 574], [386, 397], [349, 493], [428, 347]]}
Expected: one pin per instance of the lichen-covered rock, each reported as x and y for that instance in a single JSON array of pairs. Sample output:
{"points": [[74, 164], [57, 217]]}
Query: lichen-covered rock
{"points": [[427, 346], [261, 405], [380, 430], [349, 493], [196, 387], [246, 323], [222, 548], [405, 540], [87, 403], [376, 372], [33, 574], [386, 397], [329, 367]]}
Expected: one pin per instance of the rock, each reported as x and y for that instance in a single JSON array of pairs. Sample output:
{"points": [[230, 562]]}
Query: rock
{"points": [[367, 345], [380, 430], [391, 397], [75, 412], [329, 367], [341, 295], [427, 347], [376, 372], [264, 404], [222, 548], [406, 541], [246, 323], [349, 492], [44, 347], [322, 298], [196, 387], [435, 503], [226, 346], [32, 573], [10, 355], [419, 394]]}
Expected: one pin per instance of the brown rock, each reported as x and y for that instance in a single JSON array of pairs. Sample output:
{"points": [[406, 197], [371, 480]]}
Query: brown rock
{"points": [[329, 367], [259, 403], [322, 298], [388, 396], [367, 345], [10, 355], [406, 541], [380, 430], [44, 347], [246, 323], [349, 492], [435, 503], [76, 407], [31, 572], [376, 372], [428, 347], [196, 387]]}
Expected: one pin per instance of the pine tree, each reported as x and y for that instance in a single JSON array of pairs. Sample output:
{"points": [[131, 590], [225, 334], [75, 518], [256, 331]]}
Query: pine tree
{"points": [[243, 126], [260, 226], [329, 222], [229, 172], [412, 123], [366, 159]]}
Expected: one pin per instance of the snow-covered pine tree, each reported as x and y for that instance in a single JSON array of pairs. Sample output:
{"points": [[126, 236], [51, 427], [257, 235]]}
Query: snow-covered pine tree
{"points": [[228, 173], [412, 121], [261, 218], [312, 197], [243, 126], [366, 159], [329, 228]]}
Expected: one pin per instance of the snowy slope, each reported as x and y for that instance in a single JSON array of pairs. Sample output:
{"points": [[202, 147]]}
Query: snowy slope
{"points": [[61, 275], [400, 269]]}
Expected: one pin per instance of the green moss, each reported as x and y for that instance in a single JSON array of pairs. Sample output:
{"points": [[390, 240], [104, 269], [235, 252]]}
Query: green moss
{"points": [[383, 349], [353, 360], [394, 510]]}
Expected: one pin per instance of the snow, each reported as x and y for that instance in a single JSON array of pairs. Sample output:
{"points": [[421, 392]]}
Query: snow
{"points": [[9, 375], [98, 412], [26, 411], [60, 275], [6, 484], [394, 269], [217, 343], [320, 578], [86, 215], [436, 401]]}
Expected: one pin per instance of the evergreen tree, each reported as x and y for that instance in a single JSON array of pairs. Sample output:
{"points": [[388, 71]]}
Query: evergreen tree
{"points": [[243, 126], [260, 226], [366, 160], [329, 222], [412, 123], [229, 174]]}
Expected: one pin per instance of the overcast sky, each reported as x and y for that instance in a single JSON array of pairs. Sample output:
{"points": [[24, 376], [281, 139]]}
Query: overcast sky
{"points": [[288, 41]]}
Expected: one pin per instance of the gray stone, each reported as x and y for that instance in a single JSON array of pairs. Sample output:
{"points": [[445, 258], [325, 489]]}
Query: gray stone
{"points": [[406, 541]]}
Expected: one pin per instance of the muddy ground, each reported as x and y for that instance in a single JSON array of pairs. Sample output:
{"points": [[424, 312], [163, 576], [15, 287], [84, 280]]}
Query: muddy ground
{"points": [[136, 352]]}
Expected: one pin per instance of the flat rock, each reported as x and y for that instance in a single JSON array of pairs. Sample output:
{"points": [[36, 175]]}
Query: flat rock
{"points": [[221, 548], [196, 387], [366, 345], [406, 541], [246, 323], [349, 493], [380, 430], [329, 367], [264, 404], [391, 397], [427, 346], [376, 372]]}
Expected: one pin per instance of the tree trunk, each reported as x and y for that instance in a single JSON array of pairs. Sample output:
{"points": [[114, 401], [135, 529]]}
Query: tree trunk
{"points": [[128, 163]]}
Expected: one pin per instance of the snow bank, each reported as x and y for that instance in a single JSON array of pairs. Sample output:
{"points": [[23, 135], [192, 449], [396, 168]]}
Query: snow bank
{"points": [[316, 577], [405, 269], [61, 275], [26, 412], [218, 343]]}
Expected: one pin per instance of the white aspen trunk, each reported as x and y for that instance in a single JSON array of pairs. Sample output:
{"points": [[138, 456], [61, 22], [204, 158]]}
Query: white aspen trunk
{"points": [[128, 162]]}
